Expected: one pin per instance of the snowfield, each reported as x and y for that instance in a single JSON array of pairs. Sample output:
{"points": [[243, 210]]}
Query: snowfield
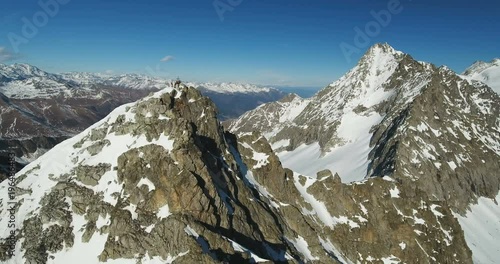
{"points": [[481, 227]]}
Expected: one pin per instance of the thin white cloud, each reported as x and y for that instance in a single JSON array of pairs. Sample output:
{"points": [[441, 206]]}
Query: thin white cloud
{"points": [[167, 58], [6, 55]]}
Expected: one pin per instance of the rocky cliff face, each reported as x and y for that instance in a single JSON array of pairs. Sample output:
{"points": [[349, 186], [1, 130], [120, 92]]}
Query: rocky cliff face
{"points": [[160, 181], [271, 117]]}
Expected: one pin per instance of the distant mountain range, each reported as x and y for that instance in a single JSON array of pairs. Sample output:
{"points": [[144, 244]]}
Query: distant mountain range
{"points": [[27, 81], [38, 109]]}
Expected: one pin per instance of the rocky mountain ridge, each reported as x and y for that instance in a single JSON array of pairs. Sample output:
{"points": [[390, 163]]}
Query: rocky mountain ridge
{"points": [[160, 181]]}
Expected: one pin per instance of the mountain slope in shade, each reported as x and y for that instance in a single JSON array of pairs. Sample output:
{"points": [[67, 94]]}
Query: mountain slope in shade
{"points": [[159, 181], [486, 72]]}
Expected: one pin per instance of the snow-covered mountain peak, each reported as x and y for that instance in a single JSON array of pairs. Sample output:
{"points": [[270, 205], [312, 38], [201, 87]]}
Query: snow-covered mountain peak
{"points": [[340, 120], [477, 66], [29, 69], [486, 72], [378, 63], [382, 48], [392, 115], [380, 52], [19, 71], [159, 180]]}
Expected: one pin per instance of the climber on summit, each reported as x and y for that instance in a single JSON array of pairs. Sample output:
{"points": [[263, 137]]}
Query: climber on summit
{"points": [[177, 83]]}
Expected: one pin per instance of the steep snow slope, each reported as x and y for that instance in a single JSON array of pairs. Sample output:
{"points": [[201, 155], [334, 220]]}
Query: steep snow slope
{"points": [[40, 87], [60, 160], [272, 117]]}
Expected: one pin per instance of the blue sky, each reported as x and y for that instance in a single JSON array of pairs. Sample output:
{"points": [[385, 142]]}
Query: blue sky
{"points": [[279, 42]]}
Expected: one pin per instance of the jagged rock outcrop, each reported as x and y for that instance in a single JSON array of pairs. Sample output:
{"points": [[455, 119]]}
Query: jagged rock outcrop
{"points": [[270, 117]]}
